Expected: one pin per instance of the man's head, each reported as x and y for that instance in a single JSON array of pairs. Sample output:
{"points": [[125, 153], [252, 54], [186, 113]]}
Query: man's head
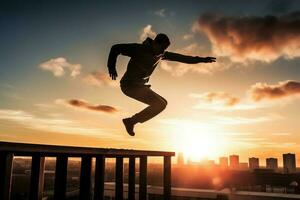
{"points": [[161, 43]]}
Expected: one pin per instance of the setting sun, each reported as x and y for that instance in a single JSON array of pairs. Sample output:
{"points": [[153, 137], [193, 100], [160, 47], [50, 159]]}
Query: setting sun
{"points": [[199, 147], [197, 141]]}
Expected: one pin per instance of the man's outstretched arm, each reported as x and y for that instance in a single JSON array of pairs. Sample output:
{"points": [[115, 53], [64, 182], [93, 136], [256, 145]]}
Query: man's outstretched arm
{"points": [[187, 59], [117, 49]]}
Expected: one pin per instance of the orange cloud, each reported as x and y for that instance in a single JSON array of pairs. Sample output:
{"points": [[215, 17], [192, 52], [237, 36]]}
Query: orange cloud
{"points": [[85, 105], [261, 91], [252, 38], [224, 97], [97, 78]]}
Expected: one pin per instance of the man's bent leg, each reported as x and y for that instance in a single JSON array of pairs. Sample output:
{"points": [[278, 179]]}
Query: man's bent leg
{"points": [[146, 95]]}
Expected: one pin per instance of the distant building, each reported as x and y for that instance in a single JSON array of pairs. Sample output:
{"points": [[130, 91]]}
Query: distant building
{"points": [[243, 166], [180, 159], [207, 163], [210, 162], [253, 163], [289, 163], [234, 161], [191, 162], [272, 163], [223, 162]]}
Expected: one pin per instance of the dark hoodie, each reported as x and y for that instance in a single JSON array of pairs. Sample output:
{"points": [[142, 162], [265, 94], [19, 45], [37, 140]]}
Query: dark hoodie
{"points": [[143, 61]]}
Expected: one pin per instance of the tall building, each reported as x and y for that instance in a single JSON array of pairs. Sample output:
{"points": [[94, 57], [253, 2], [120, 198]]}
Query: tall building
{"points": [[234, 161], [272, 163], [289, 163], [253, 163], [223, 162], [180, 159]]}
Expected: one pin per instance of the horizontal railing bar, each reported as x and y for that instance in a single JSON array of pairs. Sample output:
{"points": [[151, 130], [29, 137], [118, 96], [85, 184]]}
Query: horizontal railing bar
{"points": [[29, 154], [23, 149], [77, 155]]}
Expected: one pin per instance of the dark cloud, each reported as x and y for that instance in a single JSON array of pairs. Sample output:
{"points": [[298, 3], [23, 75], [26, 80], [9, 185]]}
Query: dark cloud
{"points": [[261, 91], [249, 38], [85, 105]]}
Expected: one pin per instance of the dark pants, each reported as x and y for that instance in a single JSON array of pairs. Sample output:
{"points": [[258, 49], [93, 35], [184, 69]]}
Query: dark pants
{"points": [[144, 94]]}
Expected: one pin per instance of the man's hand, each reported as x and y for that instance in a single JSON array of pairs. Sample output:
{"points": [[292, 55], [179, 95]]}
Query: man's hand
{"points": [[208, 59], [113, 73]]}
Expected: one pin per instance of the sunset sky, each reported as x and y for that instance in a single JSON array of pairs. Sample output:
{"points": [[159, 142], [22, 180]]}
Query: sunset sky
{"points": [[54, 87]]}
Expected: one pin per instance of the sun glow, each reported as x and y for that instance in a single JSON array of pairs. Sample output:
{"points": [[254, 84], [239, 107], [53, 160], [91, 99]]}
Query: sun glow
{"points": [[197, 141], [198, 147]]}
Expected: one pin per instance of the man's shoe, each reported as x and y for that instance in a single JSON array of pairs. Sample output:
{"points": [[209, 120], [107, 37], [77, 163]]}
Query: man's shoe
{"points": [[129, 125]]}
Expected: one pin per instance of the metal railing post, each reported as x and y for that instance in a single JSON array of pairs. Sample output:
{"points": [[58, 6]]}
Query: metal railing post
{"points": [[143, 178], [167, 177], [60, 182], [99, 178], [119, 178], [37, 177], [6, 166], [85, 178], [131, 178]]}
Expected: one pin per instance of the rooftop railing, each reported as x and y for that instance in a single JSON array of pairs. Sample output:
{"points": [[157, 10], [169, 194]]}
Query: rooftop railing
{"points": [[62, 153]]}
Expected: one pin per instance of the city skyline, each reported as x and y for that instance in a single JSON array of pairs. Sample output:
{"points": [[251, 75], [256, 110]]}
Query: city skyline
{"points": [[252, 162], [55, 88]]}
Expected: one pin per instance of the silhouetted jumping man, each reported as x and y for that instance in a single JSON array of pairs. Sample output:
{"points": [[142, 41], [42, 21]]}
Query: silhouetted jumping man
{"points": [[143, 60]]}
